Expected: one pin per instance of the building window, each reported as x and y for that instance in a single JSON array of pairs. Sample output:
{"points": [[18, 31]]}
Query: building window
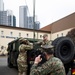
{"points": [[61, 34], [57, 35], [2, 47], [27, 34], [34, 35], [40, 36], [11, 33], [2, 32], [19, 34]]}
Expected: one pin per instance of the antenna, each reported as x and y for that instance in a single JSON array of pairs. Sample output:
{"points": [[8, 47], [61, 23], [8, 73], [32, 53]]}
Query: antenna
{"points": [[34, 20], [28, 7]]}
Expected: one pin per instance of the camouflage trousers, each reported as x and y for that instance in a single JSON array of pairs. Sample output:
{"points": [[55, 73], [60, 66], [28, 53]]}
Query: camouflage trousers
{"points": [[22, 73], [22, 69]]}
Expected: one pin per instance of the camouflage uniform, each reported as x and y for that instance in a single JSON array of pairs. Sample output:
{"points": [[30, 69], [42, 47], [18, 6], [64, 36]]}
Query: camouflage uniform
{"points": [[44, 42], [53, 66], [22, 58], [47, 42]]}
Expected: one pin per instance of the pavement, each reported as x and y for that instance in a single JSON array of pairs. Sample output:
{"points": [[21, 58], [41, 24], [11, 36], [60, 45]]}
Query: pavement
{"points": [[4, 69]]}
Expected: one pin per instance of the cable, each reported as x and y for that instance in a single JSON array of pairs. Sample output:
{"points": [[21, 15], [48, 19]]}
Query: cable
{"points": [[28, 7]]}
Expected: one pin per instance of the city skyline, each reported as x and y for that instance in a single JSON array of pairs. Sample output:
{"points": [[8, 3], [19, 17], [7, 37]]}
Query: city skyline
{"points": [[25, 21], [47, 11], [6, 16]]}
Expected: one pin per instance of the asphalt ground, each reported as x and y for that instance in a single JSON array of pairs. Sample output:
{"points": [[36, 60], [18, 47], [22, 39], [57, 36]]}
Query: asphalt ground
{"points": [[4, 69]]}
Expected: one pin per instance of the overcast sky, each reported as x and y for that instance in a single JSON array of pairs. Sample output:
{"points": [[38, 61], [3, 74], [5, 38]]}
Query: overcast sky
{"points": [[47, 11]]}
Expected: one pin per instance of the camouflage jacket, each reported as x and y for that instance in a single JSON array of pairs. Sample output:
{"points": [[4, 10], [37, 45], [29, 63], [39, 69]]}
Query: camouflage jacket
{"points": [[47, 42], [53, 66], [25, 47], [22, 58]]}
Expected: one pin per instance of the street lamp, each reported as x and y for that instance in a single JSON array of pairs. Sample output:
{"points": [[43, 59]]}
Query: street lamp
{"points": [[34, 20]]}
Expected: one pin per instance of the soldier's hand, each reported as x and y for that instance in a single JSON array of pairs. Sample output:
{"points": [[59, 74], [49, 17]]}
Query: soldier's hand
{"points": [[38, 59]]}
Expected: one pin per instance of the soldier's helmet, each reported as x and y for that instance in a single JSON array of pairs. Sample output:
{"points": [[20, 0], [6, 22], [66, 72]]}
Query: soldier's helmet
{"points": [[24, 41], [48, 48], [45, 35]]}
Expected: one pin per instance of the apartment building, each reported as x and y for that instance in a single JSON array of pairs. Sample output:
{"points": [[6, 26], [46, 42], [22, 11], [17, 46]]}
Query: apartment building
{"points": [[9, 33], [61, 27]]}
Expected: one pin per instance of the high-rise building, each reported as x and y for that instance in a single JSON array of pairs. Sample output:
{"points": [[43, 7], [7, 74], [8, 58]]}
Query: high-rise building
{"points": [[23, 22], [37, 25], [1, 5], [30, 22], [6, 18], [3, 18], [14, 21]]}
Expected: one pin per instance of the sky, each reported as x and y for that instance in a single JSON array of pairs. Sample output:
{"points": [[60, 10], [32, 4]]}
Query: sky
{"points": [[46, 11]]}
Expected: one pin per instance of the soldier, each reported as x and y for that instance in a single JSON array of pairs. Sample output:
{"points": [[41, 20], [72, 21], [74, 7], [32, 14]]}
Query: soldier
{"points": [[45, 40], [22, 58], [53, 65]]}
